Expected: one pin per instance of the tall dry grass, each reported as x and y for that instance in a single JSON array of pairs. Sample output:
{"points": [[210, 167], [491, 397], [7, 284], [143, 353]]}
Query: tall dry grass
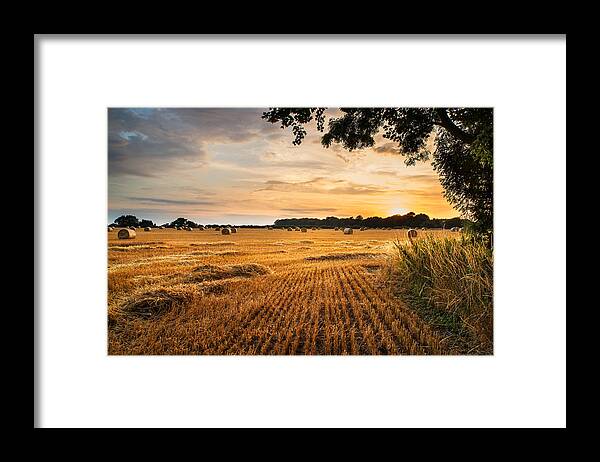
{"points": [[449, 282]]}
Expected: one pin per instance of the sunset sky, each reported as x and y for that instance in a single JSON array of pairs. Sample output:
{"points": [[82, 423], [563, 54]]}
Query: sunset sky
{"points": [[230, 166]]}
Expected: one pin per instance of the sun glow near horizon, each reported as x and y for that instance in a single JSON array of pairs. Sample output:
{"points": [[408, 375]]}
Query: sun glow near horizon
{"points": [[230, 166]]}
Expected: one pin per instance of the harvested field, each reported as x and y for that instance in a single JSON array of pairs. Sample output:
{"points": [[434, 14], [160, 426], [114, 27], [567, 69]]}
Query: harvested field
{"points": [[180, 295]]}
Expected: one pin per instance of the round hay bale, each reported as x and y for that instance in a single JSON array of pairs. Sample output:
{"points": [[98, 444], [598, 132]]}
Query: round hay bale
{"points": [[147, 228], [411, 233], [348, 231], [217, 229], [161, 227], [313, 228], [304, 230], [110, 229], [131, 228], [225, 231], [233, 230], [336, 229], [126, 233], [290, 229]]}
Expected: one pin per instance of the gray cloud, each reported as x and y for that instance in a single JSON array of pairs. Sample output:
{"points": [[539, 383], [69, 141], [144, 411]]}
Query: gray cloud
{"points": [[272, 159], [419, 192], [387, 148], [153, 200], [352, 188], [344, 158], [309, 210], [148, 142], [416, 177], [322, 185], [285, 186], [385, 172]]}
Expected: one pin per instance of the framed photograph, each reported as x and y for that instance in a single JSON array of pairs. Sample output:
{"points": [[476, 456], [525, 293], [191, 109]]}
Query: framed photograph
{"points": [[222, 226], [236, 231]]}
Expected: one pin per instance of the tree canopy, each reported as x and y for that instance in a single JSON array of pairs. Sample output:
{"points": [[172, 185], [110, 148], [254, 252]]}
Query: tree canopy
{"points": [[127, 220], [462, 140]]}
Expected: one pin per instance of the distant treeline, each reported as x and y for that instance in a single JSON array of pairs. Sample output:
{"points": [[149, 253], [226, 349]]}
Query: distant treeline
{"points": [[131, 220], [410, 220]]}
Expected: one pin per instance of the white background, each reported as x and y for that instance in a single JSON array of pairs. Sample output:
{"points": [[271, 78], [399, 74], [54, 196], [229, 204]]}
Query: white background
{"points": [[523, 384]]}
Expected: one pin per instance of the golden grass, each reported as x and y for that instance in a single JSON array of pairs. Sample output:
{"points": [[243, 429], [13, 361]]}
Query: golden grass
{"points": [[212, 243], [450, 281], [212, 272], [342, 256], [158, 302], [176, 293]]}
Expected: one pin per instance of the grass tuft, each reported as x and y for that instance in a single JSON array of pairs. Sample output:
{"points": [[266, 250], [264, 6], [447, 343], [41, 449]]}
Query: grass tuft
{"points": [[158, 302], [215, 272], [449, 282]]}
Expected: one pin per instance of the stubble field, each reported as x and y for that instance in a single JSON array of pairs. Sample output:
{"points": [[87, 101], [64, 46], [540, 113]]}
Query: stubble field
{"points": [[259, 291]]}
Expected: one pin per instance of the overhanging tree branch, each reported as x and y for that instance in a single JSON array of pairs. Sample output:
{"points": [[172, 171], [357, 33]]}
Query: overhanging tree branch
{"points": [[446, 122]]}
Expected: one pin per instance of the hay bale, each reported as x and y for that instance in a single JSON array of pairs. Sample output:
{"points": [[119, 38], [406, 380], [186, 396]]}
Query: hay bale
{"points": [[233, 230], [225, 231], [126, 233], [290, 229], [161, 227], [110, 229], [336, 229], [304, 230], [411, 233], [217, 228], [158, 302], [147, 228], [131, 228], [313, 228], [348, 231]]}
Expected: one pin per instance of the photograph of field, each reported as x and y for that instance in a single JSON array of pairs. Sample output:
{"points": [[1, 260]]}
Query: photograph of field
{"points": [[300, 231]]}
